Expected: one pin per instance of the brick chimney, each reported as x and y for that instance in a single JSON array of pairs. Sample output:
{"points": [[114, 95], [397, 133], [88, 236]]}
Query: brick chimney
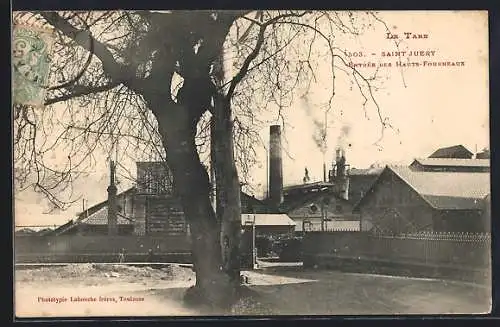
{"points": [[112, 202], [275, 166]]}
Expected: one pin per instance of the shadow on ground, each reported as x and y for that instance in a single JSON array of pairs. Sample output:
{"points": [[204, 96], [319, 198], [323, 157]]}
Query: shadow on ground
{"points": [[276, 291], [299, 292]]}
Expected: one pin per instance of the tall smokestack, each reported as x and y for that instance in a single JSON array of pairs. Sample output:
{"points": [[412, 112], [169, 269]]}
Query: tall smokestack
{"points": [[324, 172], [112, 206], [275, 166]]}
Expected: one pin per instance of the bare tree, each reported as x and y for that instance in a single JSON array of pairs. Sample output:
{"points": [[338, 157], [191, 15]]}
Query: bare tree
{"points": [[151, 77]]}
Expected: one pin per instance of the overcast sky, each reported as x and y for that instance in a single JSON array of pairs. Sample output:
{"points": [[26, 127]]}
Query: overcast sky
{"points": [[429, 107]]}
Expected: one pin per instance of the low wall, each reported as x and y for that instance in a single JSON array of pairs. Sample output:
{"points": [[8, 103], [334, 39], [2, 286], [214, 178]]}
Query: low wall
{"points": [[77, 248]]}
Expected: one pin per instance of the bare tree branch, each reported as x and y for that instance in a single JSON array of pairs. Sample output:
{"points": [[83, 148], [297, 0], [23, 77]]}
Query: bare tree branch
{"points": [[79, 90]]}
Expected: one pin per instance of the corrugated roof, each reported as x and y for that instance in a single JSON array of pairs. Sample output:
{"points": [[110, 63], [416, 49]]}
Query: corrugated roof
{"points": [[101, 218], [453, 162], [447, 190], [268, 219]]}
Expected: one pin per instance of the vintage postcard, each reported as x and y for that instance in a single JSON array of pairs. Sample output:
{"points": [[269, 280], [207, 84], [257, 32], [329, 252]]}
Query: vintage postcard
{"points": [[254, 162]]}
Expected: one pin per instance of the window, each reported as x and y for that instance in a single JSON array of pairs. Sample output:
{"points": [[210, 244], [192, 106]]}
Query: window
{"points": [[155, 178]]}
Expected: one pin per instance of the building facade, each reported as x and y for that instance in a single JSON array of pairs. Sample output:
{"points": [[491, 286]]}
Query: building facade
{"points": [[151, 207], [407, 201]]}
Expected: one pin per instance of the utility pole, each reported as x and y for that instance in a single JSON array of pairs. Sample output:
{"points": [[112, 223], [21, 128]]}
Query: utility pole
{"points": [[112, 210], [254, 250], [322, 216], [213, 180]]}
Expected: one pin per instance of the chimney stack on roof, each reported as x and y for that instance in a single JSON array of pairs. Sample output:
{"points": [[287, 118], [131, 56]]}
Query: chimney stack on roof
{"points": [[339, 174], [275, 166]]}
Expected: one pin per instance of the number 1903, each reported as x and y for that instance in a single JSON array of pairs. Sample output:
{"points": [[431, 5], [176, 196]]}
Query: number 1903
{"points": [[354, 53]]}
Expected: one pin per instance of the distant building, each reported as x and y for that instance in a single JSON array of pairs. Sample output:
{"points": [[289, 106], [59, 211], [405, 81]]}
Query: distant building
{"points": [[325, 204], [94, 220], [308, 204], [485, 154], [451, 165], [455, 151], [403, 200], [152, 207]]}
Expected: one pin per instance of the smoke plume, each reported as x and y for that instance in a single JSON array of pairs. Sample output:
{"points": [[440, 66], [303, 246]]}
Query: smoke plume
{"points": [[343, 137], [319, 133]]}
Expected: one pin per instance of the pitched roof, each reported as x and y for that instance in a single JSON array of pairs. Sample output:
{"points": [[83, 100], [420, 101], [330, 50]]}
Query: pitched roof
{"points": [[453, 162], [447, 190], [443, 190], [101, 218], [268, 219], [451, 152], [102, 204]]}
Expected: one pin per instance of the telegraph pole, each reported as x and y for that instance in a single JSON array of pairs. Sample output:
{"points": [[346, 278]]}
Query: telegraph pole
{"points": [[322, 216]]}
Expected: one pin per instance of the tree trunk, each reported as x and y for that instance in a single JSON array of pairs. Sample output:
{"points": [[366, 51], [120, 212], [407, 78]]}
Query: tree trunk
{"points": [[228, 186], [192, 184], [228, 195]]}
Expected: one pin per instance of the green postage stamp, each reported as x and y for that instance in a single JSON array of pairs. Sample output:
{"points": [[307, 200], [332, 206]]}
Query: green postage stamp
{"points": [[31, 48]]}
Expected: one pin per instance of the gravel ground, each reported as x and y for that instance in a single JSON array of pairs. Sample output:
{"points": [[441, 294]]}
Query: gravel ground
{"points": [[120, 290], [95, 272]]}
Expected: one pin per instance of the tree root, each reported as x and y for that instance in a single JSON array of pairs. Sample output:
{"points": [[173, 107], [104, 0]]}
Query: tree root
{"points": [[244, 301]]}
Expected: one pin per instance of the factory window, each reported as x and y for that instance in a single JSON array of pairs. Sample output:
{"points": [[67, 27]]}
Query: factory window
{"points": [[156, 182], [148, 179]]}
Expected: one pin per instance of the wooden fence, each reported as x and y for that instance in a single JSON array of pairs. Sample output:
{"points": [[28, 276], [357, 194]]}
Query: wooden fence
{"points": [[432, 249]]}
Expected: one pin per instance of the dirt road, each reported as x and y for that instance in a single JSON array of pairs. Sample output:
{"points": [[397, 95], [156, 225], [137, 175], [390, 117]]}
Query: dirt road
{"points": [[90, 290]]}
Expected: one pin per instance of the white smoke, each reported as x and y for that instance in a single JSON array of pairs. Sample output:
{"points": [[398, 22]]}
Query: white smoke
{"points": [[343, 138], [319, 133]]}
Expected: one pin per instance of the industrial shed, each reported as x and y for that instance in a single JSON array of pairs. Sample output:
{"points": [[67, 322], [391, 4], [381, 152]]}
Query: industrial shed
{"points": [[406, 201], [451, 165]]}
